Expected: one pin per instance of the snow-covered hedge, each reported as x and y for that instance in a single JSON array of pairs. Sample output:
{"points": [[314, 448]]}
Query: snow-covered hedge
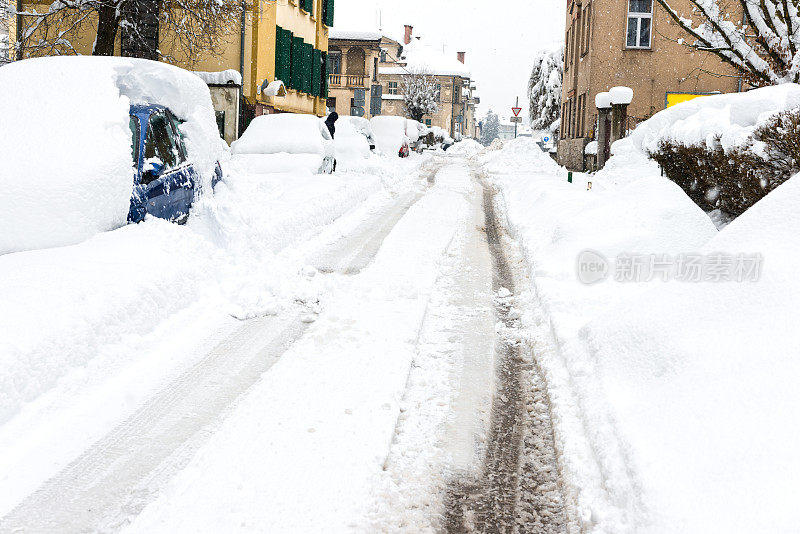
{"points": [[727, 151], [65, 143]]}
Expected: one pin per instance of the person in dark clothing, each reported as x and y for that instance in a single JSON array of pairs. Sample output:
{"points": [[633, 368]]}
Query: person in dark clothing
{"points": [[329, 122]]}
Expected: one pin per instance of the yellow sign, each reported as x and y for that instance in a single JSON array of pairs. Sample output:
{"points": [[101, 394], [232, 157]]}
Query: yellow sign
{"points": [[677, 98]]}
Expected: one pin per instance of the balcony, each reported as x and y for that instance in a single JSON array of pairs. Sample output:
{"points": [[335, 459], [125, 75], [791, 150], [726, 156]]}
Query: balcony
{"points": [[348, 80]]}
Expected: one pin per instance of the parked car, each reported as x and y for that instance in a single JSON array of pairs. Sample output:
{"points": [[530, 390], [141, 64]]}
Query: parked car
{"points": [[390, 135], [352, 140], [286, 142], [108, 147], [165, 179]]}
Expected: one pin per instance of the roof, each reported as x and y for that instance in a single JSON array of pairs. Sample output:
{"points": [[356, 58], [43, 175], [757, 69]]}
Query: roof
{"points": [[420, 57], [354, 35]]}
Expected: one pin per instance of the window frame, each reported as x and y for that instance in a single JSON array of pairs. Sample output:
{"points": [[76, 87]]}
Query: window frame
{"points": [[639, 16], [393, 88]]}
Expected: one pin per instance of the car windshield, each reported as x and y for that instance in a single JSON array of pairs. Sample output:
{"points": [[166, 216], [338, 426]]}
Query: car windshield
{"points": [[162, 142]]}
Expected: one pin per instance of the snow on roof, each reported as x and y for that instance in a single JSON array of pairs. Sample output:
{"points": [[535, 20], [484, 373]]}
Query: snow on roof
{"points": [[354, 35], [223, 77], [419, 56]]}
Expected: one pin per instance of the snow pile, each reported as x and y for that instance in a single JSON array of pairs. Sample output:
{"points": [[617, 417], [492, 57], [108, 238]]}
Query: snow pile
{"points": [[620, 95], [731, 118], [224, 77], [390, 134], [705, 395], [591, 148], [66, 170], [517, 156], [467, 147]]}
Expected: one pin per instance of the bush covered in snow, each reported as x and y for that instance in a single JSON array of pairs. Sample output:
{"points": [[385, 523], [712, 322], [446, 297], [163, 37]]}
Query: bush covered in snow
{"points": [[544, 88], [728, 151]]}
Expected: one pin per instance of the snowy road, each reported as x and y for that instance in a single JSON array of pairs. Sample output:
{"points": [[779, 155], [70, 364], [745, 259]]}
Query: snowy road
{"points": [[399, 403]]}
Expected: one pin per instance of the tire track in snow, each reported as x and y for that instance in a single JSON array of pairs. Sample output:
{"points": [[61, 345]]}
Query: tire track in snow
{"points": [[519, 489], [112, 482]]}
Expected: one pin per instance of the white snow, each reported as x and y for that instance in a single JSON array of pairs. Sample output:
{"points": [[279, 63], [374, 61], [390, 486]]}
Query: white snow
{"points": [[467, 147], [223, 77], [674, 403], [419, 56], [602, 100], [354, 35], [620, 95], [66, 160], [351, 145], [283, 132], [591, 148], [725, 120]]}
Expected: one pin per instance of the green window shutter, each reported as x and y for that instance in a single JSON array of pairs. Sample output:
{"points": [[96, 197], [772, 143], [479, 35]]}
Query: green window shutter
{"points": [[283, 55], [328, 12], [309, 69], [316, 69], [297, 63], [324, 75]]}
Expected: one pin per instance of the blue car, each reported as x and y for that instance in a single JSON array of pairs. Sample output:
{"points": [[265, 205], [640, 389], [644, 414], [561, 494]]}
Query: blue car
{"points": [[165, 180]]}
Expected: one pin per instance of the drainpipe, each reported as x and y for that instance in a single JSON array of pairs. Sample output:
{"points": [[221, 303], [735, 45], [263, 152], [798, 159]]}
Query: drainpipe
{"points": [[453, 111], [18, 51], [241, 70]]}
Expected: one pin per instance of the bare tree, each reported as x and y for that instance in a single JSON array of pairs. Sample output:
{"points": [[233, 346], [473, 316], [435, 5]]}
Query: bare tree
{"points": [[190, 26], [760, 38], [420, 94]]}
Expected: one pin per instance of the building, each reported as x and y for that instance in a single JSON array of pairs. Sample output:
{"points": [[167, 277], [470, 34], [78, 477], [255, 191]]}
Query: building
{"points": [[632, 43], [279, 50], [353, 85], [455, 88]]}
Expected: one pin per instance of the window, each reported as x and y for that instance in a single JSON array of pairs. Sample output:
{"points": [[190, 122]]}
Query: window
{"points": [[375, 70], [438, 96], [587, 28], [392, 88], [162, 142], [376, 100], [330, 104], [428, 123], [383, 55], [335, 61], [640, 20], [356, 61]]}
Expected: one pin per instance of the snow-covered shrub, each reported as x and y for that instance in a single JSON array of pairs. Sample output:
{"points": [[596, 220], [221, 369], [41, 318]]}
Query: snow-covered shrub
{"points": [[733, 181]]}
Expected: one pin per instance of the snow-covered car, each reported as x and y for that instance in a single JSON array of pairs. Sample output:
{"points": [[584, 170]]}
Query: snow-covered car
{"points": [[286, 142], [416, 132], [360, 125], [67, 171], [390, 135], [350, 142]]}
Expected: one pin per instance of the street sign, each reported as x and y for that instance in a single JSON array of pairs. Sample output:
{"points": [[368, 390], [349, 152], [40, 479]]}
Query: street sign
{"points": [[516, 111], [546, 139], [516, 119]]}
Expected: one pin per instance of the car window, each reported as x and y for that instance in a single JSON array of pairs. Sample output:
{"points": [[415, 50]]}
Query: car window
{"points": [[134, 126], [162, 142], [176, 127]]}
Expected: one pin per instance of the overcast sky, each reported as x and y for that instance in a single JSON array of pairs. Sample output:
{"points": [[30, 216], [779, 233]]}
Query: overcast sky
{"points": [[500, 37]]}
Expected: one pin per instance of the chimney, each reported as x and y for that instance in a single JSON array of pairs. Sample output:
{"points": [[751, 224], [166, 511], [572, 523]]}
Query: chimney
{"points": [[409, 30], [461, 56]]}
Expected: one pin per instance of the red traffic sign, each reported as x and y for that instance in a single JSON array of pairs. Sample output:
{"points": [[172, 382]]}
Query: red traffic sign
{"points": [[516, 111]]}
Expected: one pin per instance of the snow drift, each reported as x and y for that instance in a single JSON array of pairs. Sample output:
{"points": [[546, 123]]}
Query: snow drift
{"points": [[390, 134], [66, 146], [702, 383]]}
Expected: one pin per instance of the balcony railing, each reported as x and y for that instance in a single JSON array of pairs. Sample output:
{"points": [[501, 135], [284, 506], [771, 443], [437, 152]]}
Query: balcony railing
{"points": [[348, 80]]}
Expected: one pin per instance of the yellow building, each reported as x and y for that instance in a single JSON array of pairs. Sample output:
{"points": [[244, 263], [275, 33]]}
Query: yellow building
{"points": [[274, 40]]}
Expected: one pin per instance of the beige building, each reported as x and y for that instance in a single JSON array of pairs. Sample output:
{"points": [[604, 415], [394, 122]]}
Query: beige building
{"points": [[353, 86], [455, 88], [5, 25], [631, 43]]}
